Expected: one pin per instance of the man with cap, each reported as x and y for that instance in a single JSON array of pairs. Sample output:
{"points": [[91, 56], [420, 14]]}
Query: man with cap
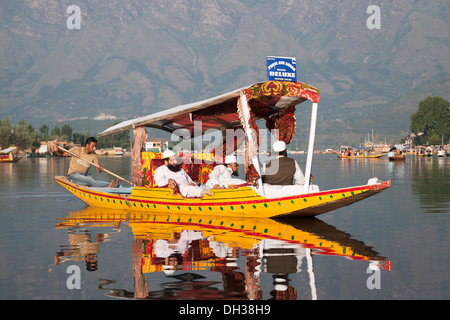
{"points": [[222, 174], [282, 171], [173, 175]]}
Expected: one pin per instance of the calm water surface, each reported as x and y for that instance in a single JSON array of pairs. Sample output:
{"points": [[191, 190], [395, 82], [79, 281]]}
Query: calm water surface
{"points": [[402, 232]]}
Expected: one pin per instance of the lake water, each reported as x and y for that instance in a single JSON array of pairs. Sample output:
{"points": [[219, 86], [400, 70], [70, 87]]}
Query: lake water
{"points": [[394, 245]]}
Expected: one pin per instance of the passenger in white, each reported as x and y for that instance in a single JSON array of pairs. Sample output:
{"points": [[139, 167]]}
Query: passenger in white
{"points": [[173, 175], [222, 174]]}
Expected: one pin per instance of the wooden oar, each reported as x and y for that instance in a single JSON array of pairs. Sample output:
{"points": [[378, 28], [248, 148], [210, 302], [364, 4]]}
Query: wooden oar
{"points": [[92, 163]]}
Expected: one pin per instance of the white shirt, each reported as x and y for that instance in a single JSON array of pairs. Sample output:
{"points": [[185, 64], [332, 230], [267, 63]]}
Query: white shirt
{"points": [[163, 174], [222, 176]]}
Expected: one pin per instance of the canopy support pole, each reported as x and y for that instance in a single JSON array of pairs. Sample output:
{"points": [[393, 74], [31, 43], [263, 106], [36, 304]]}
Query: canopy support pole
{"points": [[255, 160], [312, 135]]}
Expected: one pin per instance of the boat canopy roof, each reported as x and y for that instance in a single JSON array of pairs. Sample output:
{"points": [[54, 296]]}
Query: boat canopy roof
{"points": [[8, 150], [265, 99], [360, 148]]}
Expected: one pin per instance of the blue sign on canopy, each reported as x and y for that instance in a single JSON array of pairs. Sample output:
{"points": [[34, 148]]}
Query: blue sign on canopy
{"points": [[281, 68]]}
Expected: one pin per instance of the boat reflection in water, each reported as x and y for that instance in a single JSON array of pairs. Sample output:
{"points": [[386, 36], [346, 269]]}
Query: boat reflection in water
{"points": [[168, 243]]}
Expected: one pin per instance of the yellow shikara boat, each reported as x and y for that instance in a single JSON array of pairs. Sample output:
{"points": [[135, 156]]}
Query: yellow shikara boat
{"points": [[357, 153], [243, 201], [361, 156], [273, 101]]}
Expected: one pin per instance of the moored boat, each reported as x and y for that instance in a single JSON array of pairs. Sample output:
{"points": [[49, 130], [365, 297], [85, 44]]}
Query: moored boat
{"points": [[441, 153], [9, 155], [420, 151], [273, 101]]}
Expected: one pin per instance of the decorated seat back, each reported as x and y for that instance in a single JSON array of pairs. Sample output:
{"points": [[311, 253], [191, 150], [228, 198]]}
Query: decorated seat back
{"points": [[187, 164], [201, 171], [150, 161]]}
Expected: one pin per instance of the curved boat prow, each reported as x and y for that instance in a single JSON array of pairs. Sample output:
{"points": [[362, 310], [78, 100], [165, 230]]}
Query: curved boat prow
{"points": [[329, 200]]}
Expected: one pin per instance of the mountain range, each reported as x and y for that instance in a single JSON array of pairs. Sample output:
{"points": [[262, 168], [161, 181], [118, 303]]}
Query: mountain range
{"points": [[136, 57]]}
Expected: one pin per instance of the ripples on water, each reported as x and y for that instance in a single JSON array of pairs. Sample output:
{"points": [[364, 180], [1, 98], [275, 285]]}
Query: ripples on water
{"points": [[401, 232]]}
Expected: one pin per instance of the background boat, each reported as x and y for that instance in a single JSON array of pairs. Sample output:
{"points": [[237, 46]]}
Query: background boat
{"points": [[9, 155]]}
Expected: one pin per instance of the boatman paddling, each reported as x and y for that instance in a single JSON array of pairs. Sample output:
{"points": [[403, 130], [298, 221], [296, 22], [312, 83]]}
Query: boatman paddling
{"points": [[79, 169]]}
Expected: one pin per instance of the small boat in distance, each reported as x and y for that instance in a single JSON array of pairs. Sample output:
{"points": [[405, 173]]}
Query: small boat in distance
{"points": [[9, 155], [118, 151], [397, 153], [419, 151], [346, 152], [398, 157], [273, 101]]}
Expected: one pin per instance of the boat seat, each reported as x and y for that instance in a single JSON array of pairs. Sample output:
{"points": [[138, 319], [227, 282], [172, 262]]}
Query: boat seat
{"points": [[201, 171], [148, 171]]}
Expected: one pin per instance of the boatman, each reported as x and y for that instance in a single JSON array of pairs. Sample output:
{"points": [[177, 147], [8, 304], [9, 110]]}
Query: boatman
{"points": [[173, 175], [79, 169], [282, 171], [222, 174]]}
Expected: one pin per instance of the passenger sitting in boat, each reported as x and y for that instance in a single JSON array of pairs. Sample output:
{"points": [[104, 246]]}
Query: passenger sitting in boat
{"points": [[222, 174], [173, 175], [282, 171], [78, 168], [392, 152]]}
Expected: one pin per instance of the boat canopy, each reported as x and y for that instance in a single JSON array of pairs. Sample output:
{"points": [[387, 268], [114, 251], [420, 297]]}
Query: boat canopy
{"points": [[359, 148], [265, 100], [8, 150], [273, 101], [400, 146]]}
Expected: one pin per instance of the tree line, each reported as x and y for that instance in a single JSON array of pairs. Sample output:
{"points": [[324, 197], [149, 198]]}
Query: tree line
{"points": [[24, 136], [431, 122]]}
